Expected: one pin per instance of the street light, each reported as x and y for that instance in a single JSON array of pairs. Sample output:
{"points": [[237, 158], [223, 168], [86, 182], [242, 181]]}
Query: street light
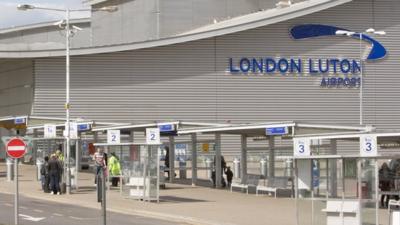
{"points": [[360, 36], [68, 33]]}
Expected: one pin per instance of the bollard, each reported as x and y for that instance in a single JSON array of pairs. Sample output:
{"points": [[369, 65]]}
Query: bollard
{"points": [[209, 168], [10, 169], [182, 168], [288, 168], [263, 167], [73, 172], [39, 164], [236, 168]]}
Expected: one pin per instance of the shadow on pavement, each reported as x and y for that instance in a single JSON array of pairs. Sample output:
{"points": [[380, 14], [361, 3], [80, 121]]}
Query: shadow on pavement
{"points": [[174, 199], [85, 189]]}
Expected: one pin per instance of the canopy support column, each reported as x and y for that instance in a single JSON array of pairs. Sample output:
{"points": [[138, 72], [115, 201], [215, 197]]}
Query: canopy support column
{"points": [[77, 162], [218, 169], [243, 158], [333, 169], [271, 157], [171, 159], [194, 159]]}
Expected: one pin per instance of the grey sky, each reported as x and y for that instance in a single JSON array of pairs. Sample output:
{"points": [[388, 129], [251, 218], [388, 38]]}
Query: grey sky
{"points": [[10, 16]]}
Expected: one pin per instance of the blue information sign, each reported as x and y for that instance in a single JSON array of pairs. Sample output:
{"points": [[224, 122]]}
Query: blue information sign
{"points": [[166, 127], [83, 127], [19, 120], [276, 130]]}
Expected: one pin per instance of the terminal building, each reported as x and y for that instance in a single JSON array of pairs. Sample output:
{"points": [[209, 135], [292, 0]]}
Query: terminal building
{"points": [[212, 61]]}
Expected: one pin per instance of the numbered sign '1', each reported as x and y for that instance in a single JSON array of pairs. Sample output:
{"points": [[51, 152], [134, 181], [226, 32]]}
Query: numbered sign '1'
{"points": [[301, 147], [113, 136], [153, 136], [368, 145], [50, 131]]}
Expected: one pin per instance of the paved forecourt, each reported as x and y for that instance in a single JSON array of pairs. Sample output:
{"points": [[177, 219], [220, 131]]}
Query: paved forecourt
{"points": [[178, 203]]}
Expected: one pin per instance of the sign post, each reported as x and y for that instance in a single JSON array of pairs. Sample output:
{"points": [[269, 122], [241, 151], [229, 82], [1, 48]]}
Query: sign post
{"points": [[16, 148]]}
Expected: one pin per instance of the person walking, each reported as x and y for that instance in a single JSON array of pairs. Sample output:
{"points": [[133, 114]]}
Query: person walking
{"points": [[100, 162], [223, 167], [45, 177], [229, 175], [55, 170], [114, 168]]}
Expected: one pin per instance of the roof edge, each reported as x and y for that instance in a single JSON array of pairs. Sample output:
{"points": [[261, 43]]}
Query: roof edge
{"points": [[301, 9]]}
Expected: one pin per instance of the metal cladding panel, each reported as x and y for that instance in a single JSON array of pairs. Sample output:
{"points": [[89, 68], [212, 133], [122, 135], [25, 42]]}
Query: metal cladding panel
{"points": [[189, 81], [300, 97], [173, 82], [134, 20], [16, 87], [177, 16]]}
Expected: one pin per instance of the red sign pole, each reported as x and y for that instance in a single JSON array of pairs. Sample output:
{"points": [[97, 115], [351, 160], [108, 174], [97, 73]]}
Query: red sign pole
{"points": [[16, 208], [16, 148]]}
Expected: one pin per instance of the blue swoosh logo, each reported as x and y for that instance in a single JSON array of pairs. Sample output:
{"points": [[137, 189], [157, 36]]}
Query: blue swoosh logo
{"points": [[317, 30]]}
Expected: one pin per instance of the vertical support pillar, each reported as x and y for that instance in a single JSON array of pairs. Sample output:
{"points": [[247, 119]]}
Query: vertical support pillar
{"points": [[77, 162], [271, 157], [194, 159], [243, 158], [218, 169], [171, 159], [133, 150], [34, 147], [333, 169]]}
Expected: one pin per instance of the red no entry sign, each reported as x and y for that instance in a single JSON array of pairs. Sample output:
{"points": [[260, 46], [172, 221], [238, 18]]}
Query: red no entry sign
{"points": [[16, 148]]}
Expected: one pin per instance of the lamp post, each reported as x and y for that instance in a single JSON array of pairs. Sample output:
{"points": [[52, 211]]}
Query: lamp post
{"points": [[68, 33], [360, 37]]}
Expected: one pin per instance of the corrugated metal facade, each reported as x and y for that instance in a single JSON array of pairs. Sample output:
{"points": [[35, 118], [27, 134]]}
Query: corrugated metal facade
{"points": [[16, 87], [189, 81]]}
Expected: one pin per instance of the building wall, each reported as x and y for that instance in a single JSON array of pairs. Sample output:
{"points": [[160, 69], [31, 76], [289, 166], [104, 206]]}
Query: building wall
{"points": [[16, 87], [135, 20], [48, 37], [141, 20], [189, 81], [178, 16]]}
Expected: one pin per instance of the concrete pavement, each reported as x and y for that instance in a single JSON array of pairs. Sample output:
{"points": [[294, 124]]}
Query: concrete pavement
{"points": [[33, 212], [179, 203]]}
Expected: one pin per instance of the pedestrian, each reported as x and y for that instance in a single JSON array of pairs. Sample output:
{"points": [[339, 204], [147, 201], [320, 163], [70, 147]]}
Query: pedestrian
{"points": [[229, 175], [223, 167], [55, 170], [166, 160], [60, 155], [384, 184], [114, 168], [100, 162], [45, 178]]}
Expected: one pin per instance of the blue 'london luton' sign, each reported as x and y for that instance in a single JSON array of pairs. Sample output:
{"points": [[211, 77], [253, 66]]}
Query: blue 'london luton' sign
{"points": [[347, 67]]}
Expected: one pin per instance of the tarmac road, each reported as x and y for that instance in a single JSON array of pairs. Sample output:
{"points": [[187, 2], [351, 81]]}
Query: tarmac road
{"points": [[35, 212]]}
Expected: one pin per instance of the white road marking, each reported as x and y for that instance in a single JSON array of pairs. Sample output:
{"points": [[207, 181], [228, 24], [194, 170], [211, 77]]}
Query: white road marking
{"points": [[75, 218], [56, 214], [8, 204], [38, 210], [30, 218], [23, 207]]}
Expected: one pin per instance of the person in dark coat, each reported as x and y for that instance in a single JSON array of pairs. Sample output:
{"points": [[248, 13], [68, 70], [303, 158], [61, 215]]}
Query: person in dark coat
{"points": [[223, 167], [229, 175], [44, 172], [166, 160], [384, 183], [55, 170]]}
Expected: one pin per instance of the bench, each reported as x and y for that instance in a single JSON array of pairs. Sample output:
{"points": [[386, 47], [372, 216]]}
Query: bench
{"points": [[273, 185], [342, 212], [252, 181]]}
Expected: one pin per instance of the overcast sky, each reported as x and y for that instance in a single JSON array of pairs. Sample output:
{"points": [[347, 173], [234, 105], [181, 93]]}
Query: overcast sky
{"points": [[10, 16]]}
